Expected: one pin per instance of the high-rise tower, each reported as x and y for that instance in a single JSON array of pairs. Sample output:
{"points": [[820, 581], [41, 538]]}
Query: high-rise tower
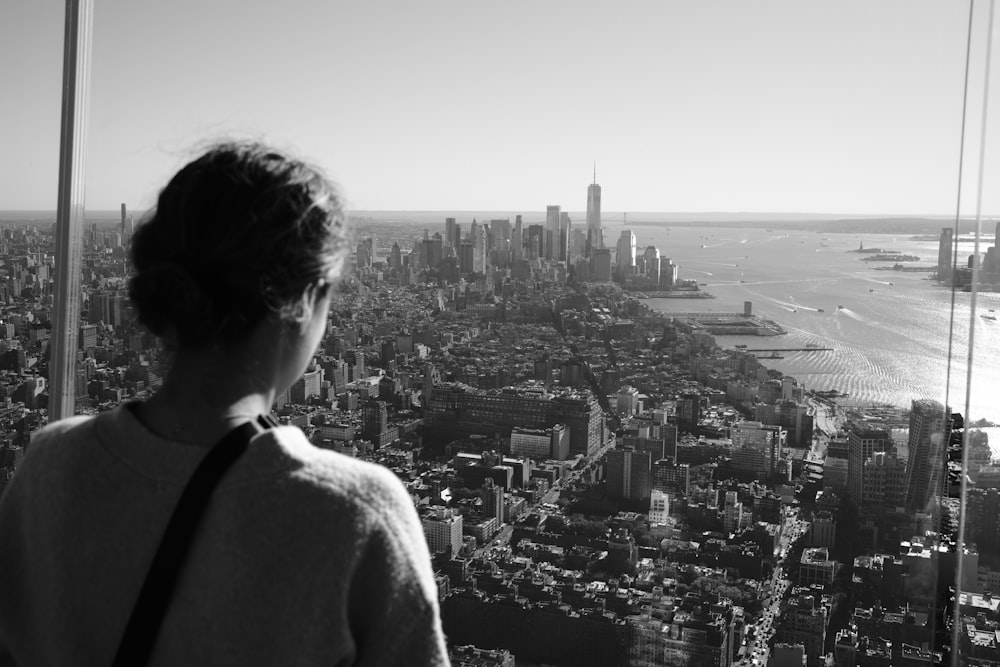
{"points": [[594, 213], [928, 440], [944, 253], [550, 242], [565, 230], [863, 441], [517, 240], [625, 257]]}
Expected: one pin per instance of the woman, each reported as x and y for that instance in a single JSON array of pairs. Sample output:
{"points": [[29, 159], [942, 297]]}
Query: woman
{"points": [[302, 556]]}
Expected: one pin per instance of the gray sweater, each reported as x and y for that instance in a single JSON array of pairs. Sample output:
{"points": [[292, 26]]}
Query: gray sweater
{"points": [[303, 556]]}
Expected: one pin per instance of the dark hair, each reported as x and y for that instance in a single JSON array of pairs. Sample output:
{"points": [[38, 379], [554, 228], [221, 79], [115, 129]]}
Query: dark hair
{"points": [[237, 235]]}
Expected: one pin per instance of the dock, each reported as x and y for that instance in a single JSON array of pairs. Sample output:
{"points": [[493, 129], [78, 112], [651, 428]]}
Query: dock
{"points": [[788, 349]]}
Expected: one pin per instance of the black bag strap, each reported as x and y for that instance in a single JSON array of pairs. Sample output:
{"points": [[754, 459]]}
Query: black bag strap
{"points": [[154, 597]]}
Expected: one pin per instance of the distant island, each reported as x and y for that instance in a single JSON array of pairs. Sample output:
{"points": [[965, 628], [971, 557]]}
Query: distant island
{"points": [[890, 257]]}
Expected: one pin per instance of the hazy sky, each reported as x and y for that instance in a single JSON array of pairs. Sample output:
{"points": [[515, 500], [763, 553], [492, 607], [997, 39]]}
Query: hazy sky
{"points": [[840, 107]]}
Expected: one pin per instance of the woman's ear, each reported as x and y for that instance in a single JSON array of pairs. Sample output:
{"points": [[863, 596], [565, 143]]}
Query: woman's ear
{"points": [[312, 296]]}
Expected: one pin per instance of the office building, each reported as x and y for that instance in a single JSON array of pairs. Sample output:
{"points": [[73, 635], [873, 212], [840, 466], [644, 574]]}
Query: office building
{"points": [[732, 513], [793, 416], [883, 481], [788, 655], [671, 477], [629, 475], [695, 633], [629, 401], [375, 420], [442, 530], [517, 240], [594, 229], [925, 479], [815, 567], [668, 273], [659, 506], [766, 442], [551, 239], [945, 253], [688, 412], [625, 255], [983, 521], [535, 242], [565, 233], [804, 622], [493, 505], [863, 440], [88, 335], [544, 443], [651, 258], [600, 265]]}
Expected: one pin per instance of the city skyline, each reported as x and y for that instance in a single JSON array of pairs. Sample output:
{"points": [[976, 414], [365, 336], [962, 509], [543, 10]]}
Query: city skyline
{"points": [[839, 108]]}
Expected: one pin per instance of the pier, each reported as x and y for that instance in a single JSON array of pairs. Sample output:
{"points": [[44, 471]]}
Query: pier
{"points": [[729, 324], [788, 349]]}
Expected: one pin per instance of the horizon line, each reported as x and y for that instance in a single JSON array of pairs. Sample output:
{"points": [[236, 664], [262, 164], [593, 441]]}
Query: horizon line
{"points": [[785, 214]]}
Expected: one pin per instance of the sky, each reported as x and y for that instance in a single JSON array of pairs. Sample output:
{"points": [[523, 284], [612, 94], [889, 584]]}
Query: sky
{"points": [[843, 106]]}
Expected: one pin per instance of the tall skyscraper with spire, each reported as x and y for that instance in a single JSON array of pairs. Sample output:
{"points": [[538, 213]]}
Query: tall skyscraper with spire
{"points": [[594, 213]]}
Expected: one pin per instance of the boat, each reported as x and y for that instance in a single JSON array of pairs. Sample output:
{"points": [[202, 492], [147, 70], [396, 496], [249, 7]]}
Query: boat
{"points": [[820, 310], [988, 317], [839, 307]]}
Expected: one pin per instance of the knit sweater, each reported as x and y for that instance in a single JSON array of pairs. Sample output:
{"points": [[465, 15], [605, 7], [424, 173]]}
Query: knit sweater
{"points": [[303, 556]]}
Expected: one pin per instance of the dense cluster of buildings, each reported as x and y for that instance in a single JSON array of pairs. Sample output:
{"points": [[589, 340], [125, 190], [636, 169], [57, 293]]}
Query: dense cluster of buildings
{"points": [[958, 271], [599, 484]]}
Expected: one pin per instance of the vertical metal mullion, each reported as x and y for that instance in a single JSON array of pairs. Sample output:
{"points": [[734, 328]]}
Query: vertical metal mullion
{"points": [[70, 207]]}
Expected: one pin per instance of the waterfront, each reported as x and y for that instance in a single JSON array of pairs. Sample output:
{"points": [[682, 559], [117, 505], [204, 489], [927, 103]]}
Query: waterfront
{"points": [[888, 330]]}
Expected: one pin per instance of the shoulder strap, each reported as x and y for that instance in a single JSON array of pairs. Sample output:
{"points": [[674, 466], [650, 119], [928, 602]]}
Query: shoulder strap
{"points": [[154, 598]]}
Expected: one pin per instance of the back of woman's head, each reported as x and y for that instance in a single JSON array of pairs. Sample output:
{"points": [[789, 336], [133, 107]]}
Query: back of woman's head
{"points": [[238, 235]]}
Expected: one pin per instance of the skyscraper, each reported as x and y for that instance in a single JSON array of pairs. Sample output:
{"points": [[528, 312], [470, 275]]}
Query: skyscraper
{"points": [[668, 272], [863, 441], [944, 253], [600, 265], [594, 213], [629, 474], [925, 477], [550, 240], [625, 257], [565, 229], [479, 249], [395, 256], [517, 240], [375, 419], [652, 256]]}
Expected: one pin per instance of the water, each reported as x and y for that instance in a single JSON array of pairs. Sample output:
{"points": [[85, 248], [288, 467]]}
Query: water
{"points": [[889, 330]]}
